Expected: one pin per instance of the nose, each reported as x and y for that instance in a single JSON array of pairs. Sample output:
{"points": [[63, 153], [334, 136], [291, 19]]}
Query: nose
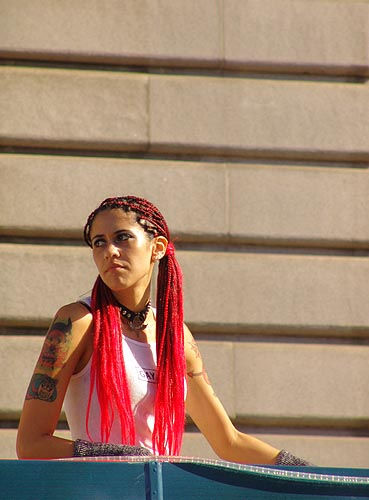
{"points": [[111, 251]]}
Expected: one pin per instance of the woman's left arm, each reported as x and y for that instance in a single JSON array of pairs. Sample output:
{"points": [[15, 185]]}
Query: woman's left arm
{"points": [[209, 415]]}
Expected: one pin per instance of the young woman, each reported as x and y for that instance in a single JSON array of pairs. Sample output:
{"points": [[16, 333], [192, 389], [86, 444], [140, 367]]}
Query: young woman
{"points": [[124, 370]]}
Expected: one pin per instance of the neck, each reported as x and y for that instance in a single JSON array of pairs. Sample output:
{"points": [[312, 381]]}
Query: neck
{"points": [[134, 300]]}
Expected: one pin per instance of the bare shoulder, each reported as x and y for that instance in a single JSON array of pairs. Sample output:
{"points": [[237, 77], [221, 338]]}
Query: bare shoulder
{"points": [[70, 331], [77, 315], [188, 338], [187, 333], [76, 311]]}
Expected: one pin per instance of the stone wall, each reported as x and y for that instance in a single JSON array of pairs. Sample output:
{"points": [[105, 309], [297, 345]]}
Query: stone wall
{"points": [[247, 123]]}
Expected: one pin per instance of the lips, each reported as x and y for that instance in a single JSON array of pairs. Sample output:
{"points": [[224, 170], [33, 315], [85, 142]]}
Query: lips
{"points": [[114, 267]]}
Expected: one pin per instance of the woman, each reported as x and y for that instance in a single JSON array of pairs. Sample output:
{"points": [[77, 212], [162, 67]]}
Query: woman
{"points": [[124, 370]]}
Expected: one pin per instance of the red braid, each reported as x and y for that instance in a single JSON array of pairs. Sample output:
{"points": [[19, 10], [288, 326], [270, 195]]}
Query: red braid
{"points": [[169, 407], [107, 370]]}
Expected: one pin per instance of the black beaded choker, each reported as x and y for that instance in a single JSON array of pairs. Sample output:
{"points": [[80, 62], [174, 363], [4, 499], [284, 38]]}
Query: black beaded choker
{"points": [[135, 320]]}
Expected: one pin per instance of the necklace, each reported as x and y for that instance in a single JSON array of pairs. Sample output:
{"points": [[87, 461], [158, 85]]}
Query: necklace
{"points": [[135, 320]]}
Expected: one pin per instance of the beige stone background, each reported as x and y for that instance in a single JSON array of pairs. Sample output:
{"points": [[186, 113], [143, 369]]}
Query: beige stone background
{"points": [[247, 122]]}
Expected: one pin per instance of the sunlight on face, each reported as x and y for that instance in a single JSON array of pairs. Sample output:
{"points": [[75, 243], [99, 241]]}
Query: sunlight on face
{"points": [[122, 250]]}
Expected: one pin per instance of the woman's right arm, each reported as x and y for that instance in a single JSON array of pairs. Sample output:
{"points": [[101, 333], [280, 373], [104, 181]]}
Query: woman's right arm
{"points": [[66, 342]]}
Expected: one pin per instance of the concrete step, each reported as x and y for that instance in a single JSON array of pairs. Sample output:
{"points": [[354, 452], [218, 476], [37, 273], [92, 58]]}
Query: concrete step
{"points": [[265, 118], [230, 203], [256, 293], [107, 110], [279, 384], [318, 37]]}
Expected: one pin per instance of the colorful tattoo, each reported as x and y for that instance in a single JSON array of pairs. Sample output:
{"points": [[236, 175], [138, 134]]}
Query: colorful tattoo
{"points": [[42, 387], [56, 345]]}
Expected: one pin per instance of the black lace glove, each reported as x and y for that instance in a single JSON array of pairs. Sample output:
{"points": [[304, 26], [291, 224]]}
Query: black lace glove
{"points": [[87, 449], [286, 458]]}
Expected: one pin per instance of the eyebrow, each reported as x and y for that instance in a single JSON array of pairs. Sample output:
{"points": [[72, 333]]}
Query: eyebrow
{"points": [[97, 236], [115, 233]]}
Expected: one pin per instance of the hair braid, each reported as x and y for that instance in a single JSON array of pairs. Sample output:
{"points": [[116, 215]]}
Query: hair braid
{"points": [[108, 370], [170, 354]]}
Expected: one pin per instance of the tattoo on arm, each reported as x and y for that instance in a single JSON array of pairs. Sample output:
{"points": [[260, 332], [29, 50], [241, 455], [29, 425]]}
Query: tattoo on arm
{"points": [[56, 345], [52, 357], [42, 387], [199, 374], [195, 349], [193, 374]]}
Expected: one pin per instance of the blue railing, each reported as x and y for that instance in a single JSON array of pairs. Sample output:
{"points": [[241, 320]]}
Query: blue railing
{"points": [[167, 478]]}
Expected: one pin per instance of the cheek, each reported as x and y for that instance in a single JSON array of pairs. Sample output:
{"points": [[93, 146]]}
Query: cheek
{"points": [[96, 258], [148, 255], [144, 249], [142, 260]]}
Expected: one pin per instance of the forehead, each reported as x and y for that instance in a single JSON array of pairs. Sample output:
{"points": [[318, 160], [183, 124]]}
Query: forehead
{"points": [[111, 220]]}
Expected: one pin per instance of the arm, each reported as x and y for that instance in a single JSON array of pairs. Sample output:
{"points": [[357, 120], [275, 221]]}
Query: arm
{"points": [[209, 415], [65, 345]]}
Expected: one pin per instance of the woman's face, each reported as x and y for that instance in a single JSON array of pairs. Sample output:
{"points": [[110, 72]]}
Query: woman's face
{"points": [[122, 251]]}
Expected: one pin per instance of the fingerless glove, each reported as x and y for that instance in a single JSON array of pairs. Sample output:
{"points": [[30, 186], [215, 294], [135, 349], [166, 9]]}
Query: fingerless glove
{"points": [[286, 458], [89, 449]]}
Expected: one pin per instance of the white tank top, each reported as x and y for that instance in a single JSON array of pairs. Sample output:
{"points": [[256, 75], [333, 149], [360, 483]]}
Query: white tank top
{"points": [[140, 364]]}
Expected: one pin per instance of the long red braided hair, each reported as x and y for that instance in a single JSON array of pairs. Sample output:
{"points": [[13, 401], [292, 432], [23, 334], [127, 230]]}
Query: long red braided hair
{"points": [[107, 370]]}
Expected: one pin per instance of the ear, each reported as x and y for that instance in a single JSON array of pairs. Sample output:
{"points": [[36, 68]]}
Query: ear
{"points": [[159, 248]]}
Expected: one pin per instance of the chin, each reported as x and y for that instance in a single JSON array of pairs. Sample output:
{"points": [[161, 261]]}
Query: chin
{"points": [[115, 285]]}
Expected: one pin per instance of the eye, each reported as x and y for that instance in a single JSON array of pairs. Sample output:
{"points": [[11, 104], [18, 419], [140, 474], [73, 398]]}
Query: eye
{"points": [[98, 243], [123, 236]]}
